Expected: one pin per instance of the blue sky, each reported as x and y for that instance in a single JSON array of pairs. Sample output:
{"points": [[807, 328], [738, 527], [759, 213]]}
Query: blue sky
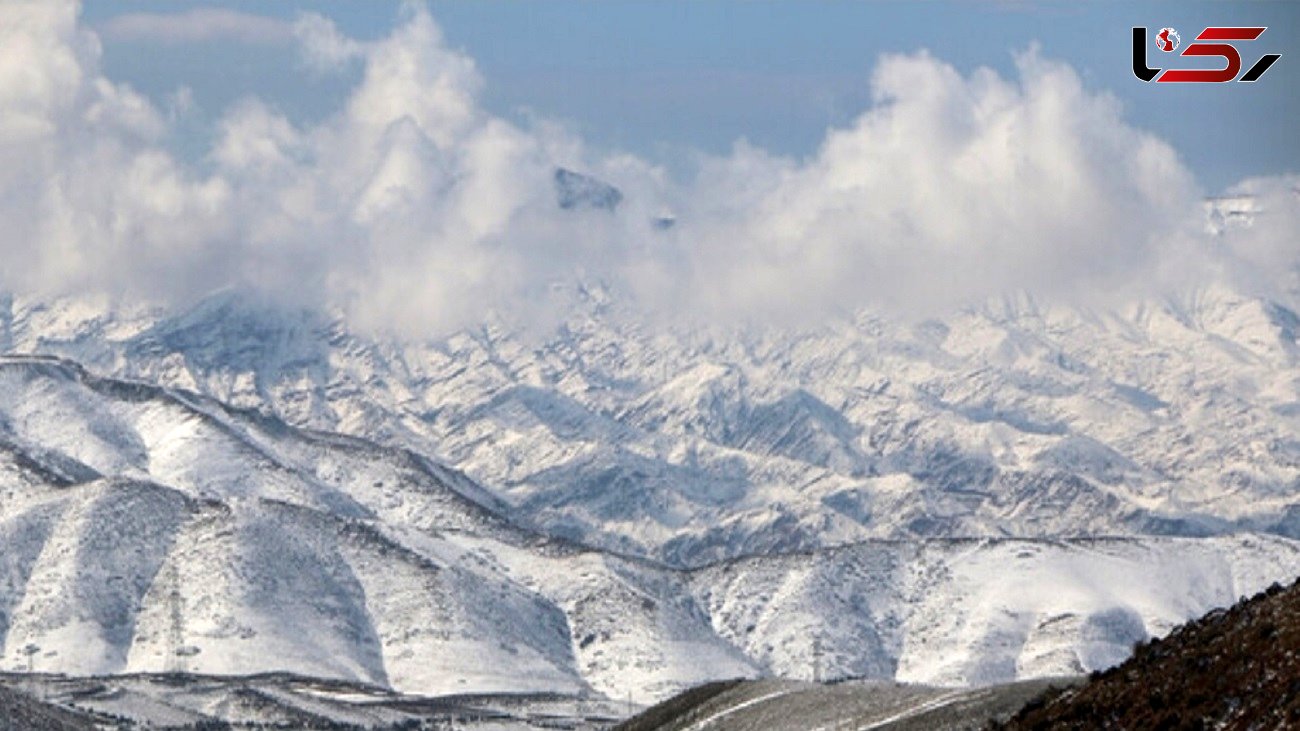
{"points": [[663, 79]]}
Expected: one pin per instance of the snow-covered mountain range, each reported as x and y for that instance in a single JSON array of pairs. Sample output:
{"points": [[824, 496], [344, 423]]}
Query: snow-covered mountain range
{"points": [[622, 508], [154, 529], [693, 444]]}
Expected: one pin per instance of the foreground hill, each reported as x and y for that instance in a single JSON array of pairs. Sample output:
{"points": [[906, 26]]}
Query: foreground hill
{"points": [[774, 705], [21, 712], [1236, 668], [152, 530]]}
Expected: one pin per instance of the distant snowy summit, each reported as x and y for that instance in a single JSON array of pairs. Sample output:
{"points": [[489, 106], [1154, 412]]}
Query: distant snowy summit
{"points": [[578, 191], [690, 443], [1231, 210]]}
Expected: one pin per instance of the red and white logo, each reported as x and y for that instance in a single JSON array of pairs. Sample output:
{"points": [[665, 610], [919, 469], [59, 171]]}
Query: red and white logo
{"points": [[1209, 42]]}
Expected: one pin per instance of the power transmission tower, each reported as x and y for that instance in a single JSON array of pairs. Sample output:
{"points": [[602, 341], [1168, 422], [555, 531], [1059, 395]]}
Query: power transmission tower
{"points": [[817, 658], [30, 651], [176, 622]]}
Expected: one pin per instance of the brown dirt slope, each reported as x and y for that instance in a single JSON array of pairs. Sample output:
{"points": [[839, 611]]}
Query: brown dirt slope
{"points": [[1236, 668]]}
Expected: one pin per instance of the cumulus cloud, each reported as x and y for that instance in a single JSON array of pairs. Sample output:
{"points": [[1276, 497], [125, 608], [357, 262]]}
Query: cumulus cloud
{"points": [[950, 187], [87, 199], [323, 47], [1261, 253], [414, 208]]}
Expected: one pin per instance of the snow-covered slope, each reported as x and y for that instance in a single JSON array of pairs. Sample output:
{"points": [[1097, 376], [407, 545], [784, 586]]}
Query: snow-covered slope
{"points": [[699, 443], [151, 529], [146, 529], [979, 611]]}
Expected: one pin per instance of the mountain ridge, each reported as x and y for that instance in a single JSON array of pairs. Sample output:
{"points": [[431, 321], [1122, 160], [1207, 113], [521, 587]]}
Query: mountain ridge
{"points": [[690, 444], [659, 508], [191, 533]]}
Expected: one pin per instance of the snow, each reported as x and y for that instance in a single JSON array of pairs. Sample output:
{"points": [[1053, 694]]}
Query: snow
{"points": [[737, 708], [695, 443], [927, 706], [1016, 490], [271, 549]]}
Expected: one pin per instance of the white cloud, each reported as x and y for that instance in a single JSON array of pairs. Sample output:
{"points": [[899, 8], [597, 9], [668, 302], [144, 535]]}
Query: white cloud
{"points": [[1263, 256], [323, 47], [86, 197], [949, 188], [414, 208], [198, 24]]}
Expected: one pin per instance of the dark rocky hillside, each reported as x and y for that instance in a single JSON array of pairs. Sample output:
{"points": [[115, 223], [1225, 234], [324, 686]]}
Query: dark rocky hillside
{"points": [[1236, 668], [21, 712]]}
